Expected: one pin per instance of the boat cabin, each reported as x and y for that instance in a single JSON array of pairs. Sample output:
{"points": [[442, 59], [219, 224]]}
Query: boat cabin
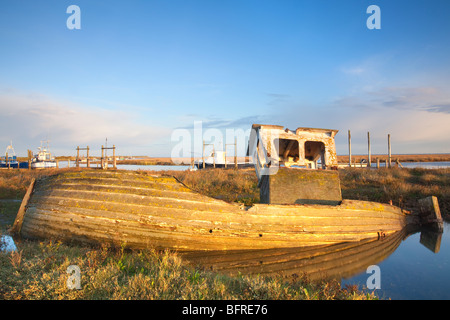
{"points": [[305, 147], [279, 153]]}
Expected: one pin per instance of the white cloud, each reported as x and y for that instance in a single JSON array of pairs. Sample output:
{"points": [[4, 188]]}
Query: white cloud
{"points": [[28, 118], [418, 119]]}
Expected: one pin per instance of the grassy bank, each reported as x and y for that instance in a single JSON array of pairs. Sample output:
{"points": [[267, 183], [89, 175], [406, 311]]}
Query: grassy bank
{"points": [[38, 270]]}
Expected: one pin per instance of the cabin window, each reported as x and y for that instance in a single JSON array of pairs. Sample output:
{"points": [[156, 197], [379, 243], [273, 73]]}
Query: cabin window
{"points": [[315, 151], [288, 149]]}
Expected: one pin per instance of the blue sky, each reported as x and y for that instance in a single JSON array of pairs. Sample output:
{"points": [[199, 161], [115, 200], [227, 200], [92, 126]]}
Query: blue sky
{"points": [[138, 70]]}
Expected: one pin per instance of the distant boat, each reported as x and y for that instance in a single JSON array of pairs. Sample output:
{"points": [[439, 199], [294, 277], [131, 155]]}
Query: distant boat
{"points": [[218, 159], [43, 159], [10, 158]]}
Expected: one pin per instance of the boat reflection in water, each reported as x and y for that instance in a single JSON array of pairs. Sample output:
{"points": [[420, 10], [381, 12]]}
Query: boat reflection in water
{"points": [[334, 261]]}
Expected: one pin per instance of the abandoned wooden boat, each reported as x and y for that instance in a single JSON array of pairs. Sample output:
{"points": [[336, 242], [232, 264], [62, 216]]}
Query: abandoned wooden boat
{"points": [[300, 207], [141, 211]]}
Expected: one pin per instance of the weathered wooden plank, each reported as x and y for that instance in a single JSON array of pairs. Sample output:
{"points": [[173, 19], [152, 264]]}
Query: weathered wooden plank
{"points": [[222, 221], [189, 240], [17, 226], [194, 226]]}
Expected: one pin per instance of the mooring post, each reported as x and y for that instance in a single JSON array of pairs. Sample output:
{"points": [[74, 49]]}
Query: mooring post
{"points": [[87, 157], [378, 163], [114, 157], [30, 156], [78, 157], [368, 150], [349, 149], [7, 160], [235, 153], [102, 160], [430, 214], [389, 150], [225, 156], [203, 154]]}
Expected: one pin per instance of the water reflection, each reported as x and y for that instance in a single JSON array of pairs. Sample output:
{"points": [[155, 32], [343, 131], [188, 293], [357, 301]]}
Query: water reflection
{"points": [[336, 261], [418, 269], [431, 240]]}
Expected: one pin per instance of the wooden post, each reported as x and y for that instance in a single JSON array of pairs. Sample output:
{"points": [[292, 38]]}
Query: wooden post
{"points": [[17, 226], [7, 160], [225, 156], [30, 156], [369, 164], [378, 163], [203, 154], [430, 214], [389, 150], [57, 164], [101, 162], [235, 153], [88, 162], [214, 157], [349, 149], [114, 157], [78, 157]]}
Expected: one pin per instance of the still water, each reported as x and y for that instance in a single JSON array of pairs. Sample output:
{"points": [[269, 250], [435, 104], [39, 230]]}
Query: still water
{"points": [[424, 165], [63, 164], [413, 271]]}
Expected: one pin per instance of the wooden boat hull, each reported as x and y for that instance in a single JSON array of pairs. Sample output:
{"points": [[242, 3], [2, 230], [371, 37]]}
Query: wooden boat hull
{"points": [[43, 164], [142, 211]]}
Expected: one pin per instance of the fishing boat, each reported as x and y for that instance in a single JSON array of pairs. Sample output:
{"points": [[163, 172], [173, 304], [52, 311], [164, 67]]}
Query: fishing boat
{"points": [[43, 159], [141, 210], [10, 158], [218, 159]]}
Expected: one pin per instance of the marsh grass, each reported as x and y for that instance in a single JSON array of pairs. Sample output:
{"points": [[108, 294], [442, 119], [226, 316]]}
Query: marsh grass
{"points": [[39, 271], [226, 184], [401, 186]]}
